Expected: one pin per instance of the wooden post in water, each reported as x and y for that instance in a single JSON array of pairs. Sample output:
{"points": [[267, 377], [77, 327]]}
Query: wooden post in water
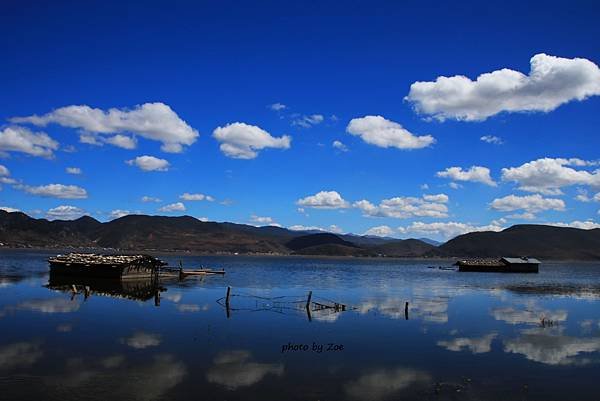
{"points": [[308, 300], [227, 300], [406, 310]]}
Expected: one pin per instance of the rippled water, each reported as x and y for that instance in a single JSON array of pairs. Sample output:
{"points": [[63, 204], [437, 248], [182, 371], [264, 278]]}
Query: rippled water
{"points": [[465, 336]]}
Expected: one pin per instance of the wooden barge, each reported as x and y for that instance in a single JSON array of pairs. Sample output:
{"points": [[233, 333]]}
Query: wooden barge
{"points": [[105, 266], [502, 265]]}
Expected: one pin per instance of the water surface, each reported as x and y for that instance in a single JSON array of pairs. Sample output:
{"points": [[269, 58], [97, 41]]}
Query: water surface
{"points": [[465, 336]]}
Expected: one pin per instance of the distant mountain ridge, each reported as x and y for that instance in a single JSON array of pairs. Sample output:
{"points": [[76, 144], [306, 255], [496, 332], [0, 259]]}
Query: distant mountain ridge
{"points": [[143, 233], [185, 233]]}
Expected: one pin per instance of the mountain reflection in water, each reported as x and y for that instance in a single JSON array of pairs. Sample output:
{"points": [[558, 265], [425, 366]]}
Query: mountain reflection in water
{"points": [[461, 336]]}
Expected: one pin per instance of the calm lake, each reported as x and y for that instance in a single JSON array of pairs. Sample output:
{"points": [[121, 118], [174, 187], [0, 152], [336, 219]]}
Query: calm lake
{"points": [[465, 336]]}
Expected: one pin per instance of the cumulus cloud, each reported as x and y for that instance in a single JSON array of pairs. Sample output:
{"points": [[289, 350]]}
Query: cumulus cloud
{"points": [[492, 139], [243, 141], [196, 197], [21, 139], [332, 228], [406, 207], [551, 82], [4, 172], [324, 200], [147, 199], [277, 106], [448, 229], [73, 170], [584, 225], [65, 212], [122, 141], [474, 174], [380, 231], [529, 203], [55, 191], [547, 176], [263, 220], [339, 146], [149, 163], [378, 131], [118, 213], [173, 207], [234, 369], [9, 209], [307, 121], [154, 121]]}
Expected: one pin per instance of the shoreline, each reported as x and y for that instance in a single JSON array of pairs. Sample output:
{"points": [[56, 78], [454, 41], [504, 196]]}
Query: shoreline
{"points": [[265, 255]]}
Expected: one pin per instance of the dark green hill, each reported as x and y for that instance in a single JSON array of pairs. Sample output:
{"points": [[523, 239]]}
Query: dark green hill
{"points": [[545, 242]]}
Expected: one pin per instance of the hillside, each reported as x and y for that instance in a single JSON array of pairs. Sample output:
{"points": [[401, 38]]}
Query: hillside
{"points": [[545, 242], [185, 233]]}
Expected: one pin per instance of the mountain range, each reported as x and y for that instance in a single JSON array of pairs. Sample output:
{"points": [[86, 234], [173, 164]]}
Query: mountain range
{"points": [[167, 234]]}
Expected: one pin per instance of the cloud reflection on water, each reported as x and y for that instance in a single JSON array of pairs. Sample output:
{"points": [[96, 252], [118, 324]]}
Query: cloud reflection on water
{"points": [[382, 383], [234, 369]]}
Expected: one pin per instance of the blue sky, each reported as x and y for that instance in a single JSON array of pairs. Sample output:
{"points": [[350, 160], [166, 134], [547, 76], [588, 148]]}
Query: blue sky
{"points": [[173, 72]]}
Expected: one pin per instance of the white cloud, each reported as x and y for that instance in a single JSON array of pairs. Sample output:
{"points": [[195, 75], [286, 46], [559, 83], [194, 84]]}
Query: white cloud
{"points": [[122, 141], [277, 106], [584, 225], [324, 200], [339, 146], [21, 139], [439, 198], [548, 175], [9, 209], [147, 199], [196, 197], [331, 229], [154, 121], [378, 131], [149, 163], [551, 82], [474, 174], [308, 121], [447, 230], [492, 139], [118, 213], [380, 231], [522, 216], [264, 220], [455, 185], [4, 172], [173, 207], [424, 187], [73, 170], [55, 191], [65, 212], [529, 203], [242, 141], [406, 207]]}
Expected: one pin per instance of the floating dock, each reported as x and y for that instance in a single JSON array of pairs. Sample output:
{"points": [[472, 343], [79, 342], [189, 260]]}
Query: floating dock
{"points": [[502, 265], [105, 266]]}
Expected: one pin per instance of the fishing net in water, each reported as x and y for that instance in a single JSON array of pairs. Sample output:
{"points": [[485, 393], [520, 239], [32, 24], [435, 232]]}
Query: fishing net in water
{"points": [[283, 304]]}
